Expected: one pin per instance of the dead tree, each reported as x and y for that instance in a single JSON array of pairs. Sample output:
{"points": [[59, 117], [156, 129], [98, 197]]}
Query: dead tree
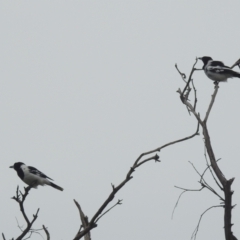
{"points": [[222, 182], [224, 185], [87, 225]]}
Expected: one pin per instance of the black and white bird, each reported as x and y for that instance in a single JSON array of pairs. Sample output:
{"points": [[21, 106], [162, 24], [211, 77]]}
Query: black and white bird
{"points": [[217, 71], [32, 176]]}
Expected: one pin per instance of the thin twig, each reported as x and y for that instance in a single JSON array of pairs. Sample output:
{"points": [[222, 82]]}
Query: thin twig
{"points": [[47, 233], [184, 190], [20, 201], [138, 162], [183, 75], [209, 166], [237, 63], [3, 236], [195, 96], [189, 79], [194, 235], [168, 144], [84, 220], [204, 183], [119, 202]]}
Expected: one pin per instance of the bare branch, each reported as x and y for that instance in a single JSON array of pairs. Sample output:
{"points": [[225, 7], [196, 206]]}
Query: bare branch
{"points": [[225, 184], [119, 202], [211, 155], [209, 167], [203, 181], [194, 235], [184, 190], [228, 210], [195, 96], [92, 223], [168, 144], [211, 103], [183, 75], [237, 63], [47, 233], [84, 220], [20, 200], [3, 236]]}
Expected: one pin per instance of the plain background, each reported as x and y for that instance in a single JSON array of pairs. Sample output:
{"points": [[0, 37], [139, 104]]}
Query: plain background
{"points": [[87, 86]]}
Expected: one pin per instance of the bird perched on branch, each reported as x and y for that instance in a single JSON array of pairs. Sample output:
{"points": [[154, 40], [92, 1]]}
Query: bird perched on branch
{"points": [[217, 71], [32, 176]]}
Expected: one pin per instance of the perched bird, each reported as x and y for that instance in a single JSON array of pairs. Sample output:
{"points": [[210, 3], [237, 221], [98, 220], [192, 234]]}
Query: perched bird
{"points": [[32, 176], [217, 71]]}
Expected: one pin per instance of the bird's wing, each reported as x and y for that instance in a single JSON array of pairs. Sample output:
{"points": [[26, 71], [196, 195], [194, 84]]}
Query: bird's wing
{"points": [[219, 69], [33, 170], [217, 63]]}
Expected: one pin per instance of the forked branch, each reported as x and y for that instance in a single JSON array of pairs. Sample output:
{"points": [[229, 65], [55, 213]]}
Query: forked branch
{"points": [[20, 198], [138, 162], [225, 184]]}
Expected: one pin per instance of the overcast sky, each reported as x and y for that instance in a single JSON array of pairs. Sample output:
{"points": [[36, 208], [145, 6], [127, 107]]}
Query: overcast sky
{"points": [[87, 86]]}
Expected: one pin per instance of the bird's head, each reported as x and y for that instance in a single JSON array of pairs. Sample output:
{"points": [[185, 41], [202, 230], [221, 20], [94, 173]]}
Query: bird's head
{"points": [[17, 165], [205, 60]]}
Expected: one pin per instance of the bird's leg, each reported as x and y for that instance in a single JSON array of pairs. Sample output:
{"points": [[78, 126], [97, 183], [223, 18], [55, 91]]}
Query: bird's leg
{"points": [[216, 83], [34, 183]]}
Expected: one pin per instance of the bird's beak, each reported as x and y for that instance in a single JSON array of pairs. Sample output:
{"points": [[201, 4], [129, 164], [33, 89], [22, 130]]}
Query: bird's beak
{"points": [[11, 167], [200, 58]]}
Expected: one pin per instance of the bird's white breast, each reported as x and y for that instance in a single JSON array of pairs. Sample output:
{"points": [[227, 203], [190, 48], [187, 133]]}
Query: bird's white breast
{"points": [[32, 179]]}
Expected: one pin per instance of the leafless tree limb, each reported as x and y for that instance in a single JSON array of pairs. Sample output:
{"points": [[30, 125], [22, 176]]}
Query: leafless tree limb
{"points": [[203, 181], [3, 236], [139, 161], [209, 166], [168, 144], [237, 63], [184, 190], [195, 96], [183, 75], [47, 233], [225, 184], [194, 235], [211, 103], [84, 220], [20, 198], [119, 202]]}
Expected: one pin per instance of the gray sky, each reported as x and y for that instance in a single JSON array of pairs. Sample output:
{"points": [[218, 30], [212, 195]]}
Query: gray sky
{"points": [[86, 86]]}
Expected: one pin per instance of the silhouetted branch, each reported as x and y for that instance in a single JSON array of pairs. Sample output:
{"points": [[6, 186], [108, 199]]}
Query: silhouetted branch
{"points": [[184, 190], [183, 75], [139, 161], [225, 184], [194, 235], [211, 103], [119, 202], [47, 233], [195, 96], [168, 144], [203, 181], [3, 236], [209, 166], [20, 198], [237, 63], [84, 220]]}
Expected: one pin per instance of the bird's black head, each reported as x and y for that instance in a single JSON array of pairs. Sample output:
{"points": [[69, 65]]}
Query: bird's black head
{"points": [[17, 165], [205, 60]]}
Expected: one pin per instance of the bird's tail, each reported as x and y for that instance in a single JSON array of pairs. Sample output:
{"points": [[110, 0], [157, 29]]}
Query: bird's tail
{"points": [[236, 74], [55, 186]]}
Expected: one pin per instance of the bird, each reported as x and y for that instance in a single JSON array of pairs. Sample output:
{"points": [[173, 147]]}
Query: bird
{"points": [[217, 71], [32, 176]]}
